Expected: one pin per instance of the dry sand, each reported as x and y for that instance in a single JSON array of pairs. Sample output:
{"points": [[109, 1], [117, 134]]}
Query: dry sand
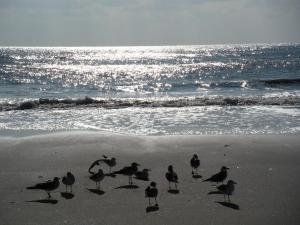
{"points": [[266, 169]]}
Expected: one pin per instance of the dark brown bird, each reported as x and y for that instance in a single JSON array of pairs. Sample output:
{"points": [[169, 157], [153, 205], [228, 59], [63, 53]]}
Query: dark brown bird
{"points": [[128, 171], [172, 177], [68, 180], [195, 163], [47, 186], [142, 175], [110, 162], [227, 189], [98, 177], [219, 177], [151, 192]]}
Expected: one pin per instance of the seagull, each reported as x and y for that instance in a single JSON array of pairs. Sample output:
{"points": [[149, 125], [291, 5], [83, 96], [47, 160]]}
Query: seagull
{"points": [[110, 162], [98, 177], [142, 175], [172, 177], [47, 186], [227, 189], [219, 177], [151, 192], [129, 171], [195, 163], [68, 180]]}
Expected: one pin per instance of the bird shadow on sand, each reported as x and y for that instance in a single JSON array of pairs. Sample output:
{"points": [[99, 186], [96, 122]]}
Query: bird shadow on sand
{"points": [[229, 205], [215, 193], [45, 201], [152, 209], [196, 176], [173, 191], [67, 195], [129, 186], [96, 191]]}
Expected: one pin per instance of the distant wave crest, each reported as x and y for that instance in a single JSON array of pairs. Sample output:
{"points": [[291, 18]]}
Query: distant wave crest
{"points": [[148, 103]]}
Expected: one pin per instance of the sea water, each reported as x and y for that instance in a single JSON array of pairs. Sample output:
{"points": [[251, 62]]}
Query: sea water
{"points": [[151, 90]]}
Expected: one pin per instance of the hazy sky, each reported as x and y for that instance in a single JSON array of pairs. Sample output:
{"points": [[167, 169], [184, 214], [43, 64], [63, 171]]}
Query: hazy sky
{"points": [[147, 22]]}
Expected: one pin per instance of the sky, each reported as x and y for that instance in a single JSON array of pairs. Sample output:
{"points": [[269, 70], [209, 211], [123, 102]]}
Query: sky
{"points": [[147, 22]]}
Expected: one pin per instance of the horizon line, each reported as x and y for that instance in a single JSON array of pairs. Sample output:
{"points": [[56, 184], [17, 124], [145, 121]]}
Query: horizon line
{"points": [[163, 45]]}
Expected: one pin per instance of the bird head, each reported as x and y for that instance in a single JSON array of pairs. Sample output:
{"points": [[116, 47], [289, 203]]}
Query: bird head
{"points": [[231, 182], [135, 164], [195, 156], [170, 168], [56, 179], [153, 184], [224, 168]]}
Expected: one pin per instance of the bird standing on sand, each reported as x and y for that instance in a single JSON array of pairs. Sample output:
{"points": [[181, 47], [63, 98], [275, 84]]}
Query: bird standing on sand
{"points": [[227, 189], [195, 163], [128, 171], [219, 177], [68, 180], [151, 192], [110, 162], [98, 177], [47, 186], [172, 177], [142, 175]]}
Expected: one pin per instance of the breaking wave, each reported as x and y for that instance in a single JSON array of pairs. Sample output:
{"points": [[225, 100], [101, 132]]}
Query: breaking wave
{"points": [[151, 103]]}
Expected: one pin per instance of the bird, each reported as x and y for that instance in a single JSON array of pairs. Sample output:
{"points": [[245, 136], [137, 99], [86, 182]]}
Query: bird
{"points": [[172, 177], [195, 163], [68, 180], [110, 162], [129, 171], [219, 177], [227, 189], [151, 192], [98, 177], [47, 186], [142, 175]]}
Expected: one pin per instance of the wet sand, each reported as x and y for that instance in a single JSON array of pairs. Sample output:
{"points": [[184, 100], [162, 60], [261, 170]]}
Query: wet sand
{"points": [[266, 169]]}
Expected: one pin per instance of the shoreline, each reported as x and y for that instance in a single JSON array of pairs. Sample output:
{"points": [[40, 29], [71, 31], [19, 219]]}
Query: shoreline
{"points": [[265, 168], [20, 134]]}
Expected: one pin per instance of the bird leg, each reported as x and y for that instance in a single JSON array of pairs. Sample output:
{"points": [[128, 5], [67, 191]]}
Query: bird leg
{"points": [[149, 201], [169, 185], [66, 188], [71, 188], [49, 196], [156, 201], [175, 186]]}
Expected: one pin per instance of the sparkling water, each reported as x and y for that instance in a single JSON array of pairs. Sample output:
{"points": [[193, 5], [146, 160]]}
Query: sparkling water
{"points": [[213, 89]]}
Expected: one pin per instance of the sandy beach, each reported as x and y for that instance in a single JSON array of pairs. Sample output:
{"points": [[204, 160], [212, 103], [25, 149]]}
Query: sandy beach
{"points": [[266, 169]]}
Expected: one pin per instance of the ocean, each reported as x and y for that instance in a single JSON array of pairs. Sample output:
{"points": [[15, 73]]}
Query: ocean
{"points": [[151, 90]]}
